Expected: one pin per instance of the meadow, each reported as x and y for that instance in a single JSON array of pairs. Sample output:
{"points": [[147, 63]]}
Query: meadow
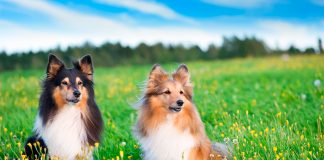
{"points": [[266, 108]]}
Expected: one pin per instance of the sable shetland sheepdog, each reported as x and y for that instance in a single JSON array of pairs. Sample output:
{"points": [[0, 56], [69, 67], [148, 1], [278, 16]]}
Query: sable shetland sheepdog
{"points": [[68, 121], [169, 126]]}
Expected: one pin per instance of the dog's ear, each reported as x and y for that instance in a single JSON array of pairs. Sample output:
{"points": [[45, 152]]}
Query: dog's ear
{"points": [[156, 77], [182, 75], [85, 66], [53, 66]]}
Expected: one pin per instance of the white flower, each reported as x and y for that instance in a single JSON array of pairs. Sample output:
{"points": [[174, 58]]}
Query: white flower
{"points": [[226, 140], [235, 141], [123, 143], [303, 96], [317, 82]]}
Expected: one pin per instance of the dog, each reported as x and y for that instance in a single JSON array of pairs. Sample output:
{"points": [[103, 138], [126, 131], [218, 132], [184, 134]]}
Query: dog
{"points": [[69, 121], [169, 126]]}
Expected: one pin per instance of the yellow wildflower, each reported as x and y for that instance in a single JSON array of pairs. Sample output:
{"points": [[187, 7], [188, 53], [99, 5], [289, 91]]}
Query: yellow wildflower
{"points": [[29, 145], [254, 102], [121, 153], [96, 144], [302, 137]]}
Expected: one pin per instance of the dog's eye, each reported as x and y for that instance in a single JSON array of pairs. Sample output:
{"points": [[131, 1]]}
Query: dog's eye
{"points": [[167, 92], [79, 83], [181, 92], [64, 83]]}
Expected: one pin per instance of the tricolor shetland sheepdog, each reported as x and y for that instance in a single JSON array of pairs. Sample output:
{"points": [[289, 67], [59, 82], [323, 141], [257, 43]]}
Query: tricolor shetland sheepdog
{"points": [[68, 121], [169, 126]]}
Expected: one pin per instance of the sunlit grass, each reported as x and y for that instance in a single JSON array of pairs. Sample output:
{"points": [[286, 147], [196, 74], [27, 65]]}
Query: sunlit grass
{"points": [[266, 108]]}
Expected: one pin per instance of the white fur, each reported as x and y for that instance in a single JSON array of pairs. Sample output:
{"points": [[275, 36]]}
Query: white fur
{"points": [[167, 143], [64, 135]]}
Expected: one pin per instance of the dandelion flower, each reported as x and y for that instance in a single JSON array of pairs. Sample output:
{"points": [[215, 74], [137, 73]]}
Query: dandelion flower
{"points": [[235, 141], [266, 130], [302, 137], [121, 153], [317, 82], [226, 140], [96, 144], [123, 144], [275, 149], [23, 157], [254, 102], [29, 145]]}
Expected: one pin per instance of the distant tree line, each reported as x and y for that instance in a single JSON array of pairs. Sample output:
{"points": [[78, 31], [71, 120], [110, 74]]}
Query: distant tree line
{"points": [[109, 54]]}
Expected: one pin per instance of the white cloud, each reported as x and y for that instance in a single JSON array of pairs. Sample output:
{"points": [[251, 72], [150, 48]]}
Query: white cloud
{"points": [[148, 7], [282, 34], [70, 27], [240, 3]]}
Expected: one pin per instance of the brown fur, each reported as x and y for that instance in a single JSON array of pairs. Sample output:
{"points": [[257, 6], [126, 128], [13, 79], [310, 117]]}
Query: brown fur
{"points": [[156, 104], [53, 67], [83, 102], [58, 98], [61, 92], [86, 67]]}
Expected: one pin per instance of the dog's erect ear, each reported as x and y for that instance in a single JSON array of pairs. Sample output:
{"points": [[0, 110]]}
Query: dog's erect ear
{"points": [[156, 77], [182, 75], [53, 66], [85, 66], [158, 74]]}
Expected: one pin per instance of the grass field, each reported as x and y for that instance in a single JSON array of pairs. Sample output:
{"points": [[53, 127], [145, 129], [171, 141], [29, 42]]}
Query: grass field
{"points": [[271, 108]]}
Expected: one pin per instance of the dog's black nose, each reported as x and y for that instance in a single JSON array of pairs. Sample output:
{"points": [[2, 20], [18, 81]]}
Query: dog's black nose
{"points": [[76, 93], [180, 102]]}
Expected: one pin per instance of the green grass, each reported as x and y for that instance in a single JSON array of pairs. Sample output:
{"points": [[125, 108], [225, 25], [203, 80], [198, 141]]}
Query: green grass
{"points": [[256, 101]]}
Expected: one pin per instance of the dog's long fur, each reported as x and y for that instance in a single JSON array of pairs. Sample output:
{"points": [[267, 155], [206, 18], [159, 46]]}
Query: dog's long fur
{"points": [[168, 129], [69, 120]]}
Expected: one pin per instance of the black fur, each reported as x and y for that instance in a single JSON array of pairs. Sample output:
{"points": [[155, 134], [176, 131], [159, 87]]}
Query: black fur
{"points": [[48, 108]]}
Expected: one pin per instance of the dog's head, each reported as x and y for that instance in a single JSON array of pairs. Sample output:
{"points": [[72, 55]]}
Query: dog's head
{"points": [[173, 93], [69, 85]]}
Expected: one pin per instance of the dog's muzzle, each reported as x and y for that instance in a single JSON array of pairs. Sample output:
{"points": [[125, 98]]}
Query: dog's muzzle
{"points": [[74, 100], [175, 109]]}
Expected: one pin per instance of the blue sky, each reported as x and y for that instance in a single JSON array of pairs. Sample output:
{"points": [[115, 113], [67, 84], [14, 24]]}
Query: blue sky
{"points": [[35, 24]]}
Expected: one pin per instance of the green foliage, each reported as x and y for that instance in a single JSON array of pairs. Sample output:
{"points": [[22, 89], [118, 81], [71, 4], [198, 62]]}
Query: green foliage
{"points": [[269, 106], [247, 47], [109, 54], [309, 50]]}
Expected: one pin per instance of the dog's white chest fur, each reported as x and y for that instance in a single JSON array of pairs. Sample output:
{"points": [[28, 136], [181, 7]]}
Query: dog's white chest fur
{"points": [[65, 136], [167, 143]]}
